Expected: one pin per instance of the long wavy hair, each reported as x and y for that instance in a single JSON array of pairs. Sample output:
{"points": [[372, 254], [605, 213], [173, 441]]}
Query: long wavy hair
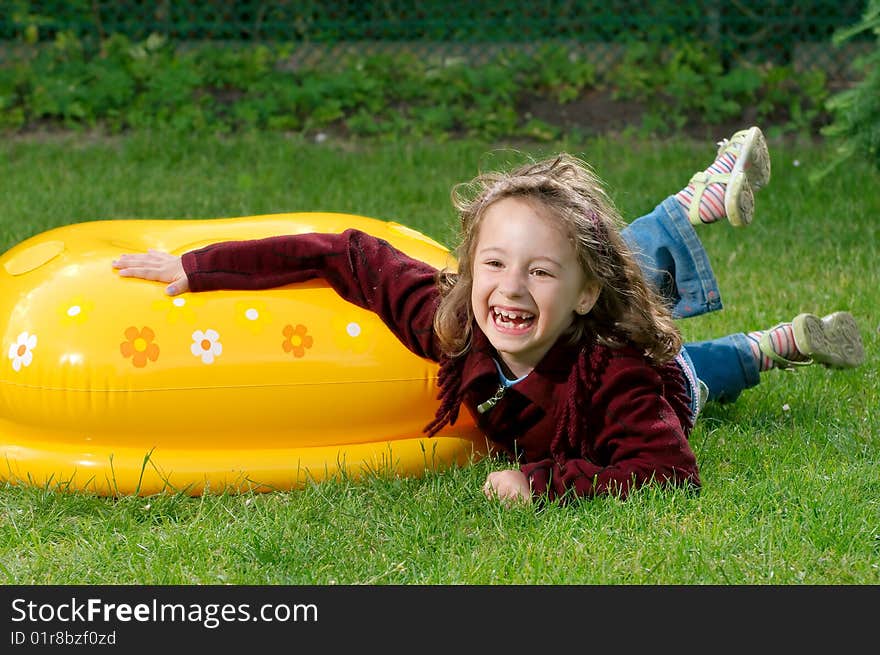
{"points": [[628, 310]]}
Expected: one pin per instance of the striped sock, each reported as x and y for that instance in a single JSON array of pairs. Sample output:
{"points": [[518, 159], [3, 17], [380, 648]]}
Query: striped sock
{"points": [[782, 341], [712, 200]]}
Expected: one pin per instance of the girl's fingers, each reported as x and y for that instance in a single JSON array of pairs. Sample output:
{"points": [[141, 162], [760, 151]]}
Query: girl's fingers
{"points": [[151, 258], [154, 265], [142, 272]]}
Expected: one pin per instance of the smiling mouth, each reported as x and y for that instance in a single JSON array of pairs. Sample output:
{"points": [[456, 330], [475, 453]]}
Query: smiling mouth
{"points": [[512, 320]]}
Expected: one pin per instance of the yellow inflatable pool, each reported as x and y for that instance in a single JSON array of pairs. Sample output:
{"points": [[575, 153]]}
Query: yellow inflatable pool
{"points": [[111, 386]]}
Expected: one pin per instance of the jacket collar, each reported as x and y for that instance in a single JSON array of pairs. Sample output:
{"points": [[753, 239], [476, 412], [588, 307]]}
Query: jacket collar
{"points": [[552, 371]]}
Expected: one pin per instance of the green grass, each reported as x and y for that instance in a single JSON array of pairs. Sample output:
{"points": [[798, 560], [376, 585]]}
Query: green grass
{"points": [[790, 472]]}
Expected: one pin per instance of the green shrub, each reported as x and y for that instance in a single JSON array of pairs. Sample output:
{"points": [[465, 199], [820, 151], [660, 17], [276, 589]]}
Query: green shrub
{"points": [[856, 111], [116, 84]]}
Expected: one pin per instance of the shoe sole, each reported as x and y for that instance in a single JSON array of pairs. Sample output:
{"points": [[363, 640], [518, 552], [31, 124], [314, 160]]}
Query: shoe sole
{"points": [[739, 200], [833, 340], [753, 158]]}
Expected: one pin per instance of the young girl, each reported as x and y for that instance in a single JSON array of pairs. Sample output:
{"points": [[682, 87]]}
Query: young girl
{"points": [[556, 332]]}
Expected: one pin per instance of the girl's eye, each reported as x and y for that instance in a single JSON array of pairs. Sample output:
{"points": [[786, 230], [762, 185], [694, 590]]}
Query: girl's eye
{"points": [[540, 272], [493, 263]]}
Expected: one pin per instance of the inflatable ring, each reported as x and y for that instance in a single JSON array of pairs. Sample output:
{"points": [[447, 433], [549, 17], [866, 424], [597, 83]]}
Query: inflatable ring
{"points": [[109, 385]]}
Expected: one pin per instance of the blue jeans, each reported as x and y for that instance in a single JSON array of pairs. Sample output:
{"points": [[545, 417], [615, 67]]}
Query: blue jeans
{"points": [[674, 261]]}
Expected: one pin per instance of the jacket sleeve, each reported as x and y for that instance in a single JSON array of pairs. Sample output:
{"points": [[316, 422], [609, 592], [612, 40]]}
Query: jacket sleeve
{"points": [[640, 439], [363, 269]]}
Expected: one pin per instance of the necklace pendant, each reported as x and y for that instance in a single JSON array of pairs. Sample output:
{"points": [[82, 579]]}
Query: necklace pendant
{"points": [[484, 407]]}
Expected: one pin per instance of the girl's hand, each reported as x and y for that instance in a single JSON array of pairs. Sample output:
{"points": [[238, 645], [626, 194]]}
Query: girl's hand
{"points": [[511, 486], [155, 265]]}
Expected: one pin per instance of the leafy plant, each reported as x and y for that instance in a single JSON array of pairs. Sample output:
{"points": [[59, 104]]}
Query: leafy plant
{"points": [[555, 70], [791, 100], [856, 111], [117, 85]]}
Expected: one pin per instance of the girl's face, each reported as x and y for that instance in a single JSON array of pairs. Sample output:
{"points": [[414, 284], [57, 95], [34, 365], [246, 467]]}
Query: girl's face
{"points": [[527, 283]]}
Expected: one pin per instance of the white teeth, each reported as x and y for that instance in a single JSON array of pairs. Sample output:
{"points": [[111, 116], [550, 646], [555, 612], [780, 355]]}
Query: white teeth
{"points": [[508, 314], [505, 319]]}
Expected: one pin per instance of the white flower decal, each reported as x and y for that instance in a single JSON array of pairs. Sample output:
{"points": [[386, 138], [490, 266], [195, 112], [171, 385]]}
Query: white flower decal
{"points": [[21, 351], [206, 345]]}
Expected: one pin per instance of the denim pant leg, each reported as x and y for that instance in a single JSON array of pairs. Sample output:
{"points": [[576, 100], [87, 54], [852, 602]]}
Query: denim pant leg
{"points": [[726, 365], [673, 259]]}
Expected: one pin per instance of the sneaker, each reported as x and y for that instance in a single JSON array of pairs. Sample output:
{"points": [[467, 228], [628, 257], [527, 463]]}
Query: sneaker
{"points": [[739, 199], [752, 157], [832, 340], [751, 171]]}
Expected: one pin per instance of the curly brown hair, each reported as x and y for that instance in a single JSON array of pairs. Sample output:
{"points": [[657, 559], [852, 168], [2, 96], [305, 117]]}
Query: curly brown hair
{"points": [[628, 310]]}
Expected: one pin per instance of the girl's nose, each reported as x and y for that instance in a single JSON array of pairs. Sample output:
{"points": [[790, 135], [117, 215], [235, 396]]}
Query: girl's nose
{"points": [[512, 283]]}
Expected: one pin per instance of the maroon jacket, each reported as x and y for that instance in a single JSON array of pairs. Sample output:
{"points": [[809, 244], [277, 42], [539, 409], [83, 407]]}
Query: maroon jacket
{"points": [[587, 420]]}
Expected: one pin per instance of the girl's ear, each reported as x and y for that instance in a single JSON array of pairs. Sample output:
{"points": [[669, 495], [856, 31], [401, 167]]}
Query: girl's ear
{"points": [[587, 298]]}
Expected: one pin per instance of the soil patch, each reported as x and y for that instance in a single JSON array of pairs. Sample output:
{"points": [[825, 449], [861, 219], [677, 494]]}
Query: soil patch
{"points": [[597, 112]]}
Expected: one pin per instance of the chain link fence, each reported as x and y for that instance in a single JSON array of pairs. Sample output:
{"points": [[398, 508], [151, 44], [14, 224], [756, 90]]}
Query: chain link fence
{"points": [[322, 32]]}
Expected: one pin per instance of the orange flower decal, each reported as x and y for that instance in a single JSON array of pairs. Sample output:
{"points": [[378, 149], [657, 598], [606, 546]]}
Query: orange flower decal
{"points": [[139, 346], [296, 340]]}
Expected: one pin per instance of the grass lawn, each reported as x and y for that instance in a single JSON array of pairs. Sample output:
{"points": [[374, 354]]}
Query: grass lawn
{"points": [[791, 479]]}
